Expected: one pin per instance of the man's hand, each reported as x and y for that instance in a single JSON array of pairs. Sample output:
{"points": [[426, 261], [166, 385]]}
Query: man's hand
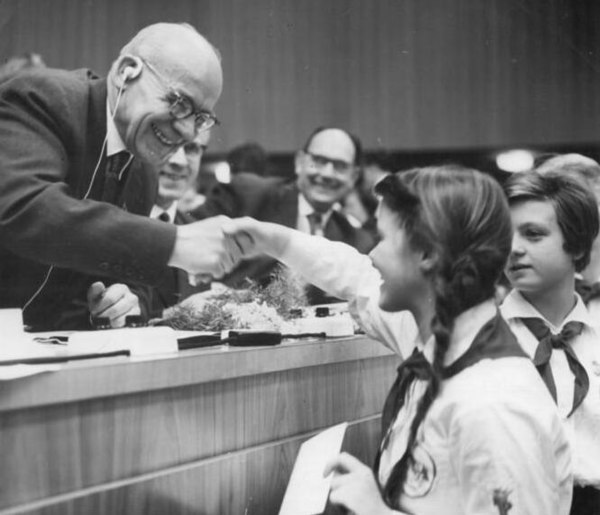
{"points": [[253, 238], [201, 248], [115, 302], [354, 486]]}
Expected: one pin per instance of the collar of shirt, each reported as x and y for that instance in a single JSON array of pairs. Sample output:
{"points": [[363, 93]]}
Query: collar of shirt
{"points": [[305, 209], [517, 306], [466, 327], [114, 143], [171, 211]]}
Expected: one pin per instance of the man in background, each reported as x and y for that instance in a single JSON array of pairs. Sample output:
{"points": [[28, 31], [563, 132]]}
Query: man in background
{"points": [[327, 168], [71, 192], [175, 178]]}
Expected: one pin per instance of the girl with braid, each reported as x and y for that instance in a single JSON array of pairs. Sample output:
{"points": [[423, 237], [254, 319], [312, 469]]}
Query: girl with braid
{"points": [[555, 221], [468, 427]]}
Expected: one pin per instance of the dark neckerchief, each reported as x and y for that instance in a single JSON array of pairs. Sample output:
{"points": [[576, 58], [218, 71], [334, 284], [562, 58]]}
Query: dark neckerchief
{"points": [[493, 341], [561, 341], [587, 291]]}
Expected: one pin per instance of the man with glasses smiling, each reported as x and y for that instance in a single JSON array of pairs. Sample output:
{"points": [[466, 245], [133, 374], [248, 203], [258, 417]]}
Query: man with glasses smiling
{"points": [[72, 189], [326, 169]]}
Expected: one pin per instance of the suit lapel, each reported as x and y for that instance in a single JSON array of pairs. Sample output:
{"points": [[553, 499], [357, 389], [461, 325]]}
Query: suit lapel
{"points": [[284, 207]]}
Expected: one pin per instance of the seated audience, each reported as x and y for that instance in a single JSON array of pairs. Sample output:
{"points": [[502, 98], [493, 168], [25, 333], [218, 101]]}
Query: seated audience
{"points": [[555, 221], [71, 189], [458, 437], [174, 179], [326, 170], [360, 204], [248, 158], [20, 63]]}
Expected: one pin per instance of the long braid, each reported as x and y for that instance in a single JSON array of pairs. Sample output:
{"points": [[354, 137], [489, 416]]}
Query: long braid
{"points": [[441, 325], [461, 217]]}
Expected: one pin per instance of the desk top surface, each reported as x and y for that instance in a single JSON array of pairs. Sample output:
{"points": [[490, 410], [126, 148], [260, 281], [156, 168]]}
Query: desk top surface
{"points": [[95, 378]]}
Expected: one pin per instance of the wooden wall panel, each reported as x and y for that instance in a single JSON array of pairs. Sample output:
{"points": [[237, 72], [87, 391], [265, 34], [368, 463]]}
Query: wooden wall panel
{"points": [[403, 74], [205, 431]]}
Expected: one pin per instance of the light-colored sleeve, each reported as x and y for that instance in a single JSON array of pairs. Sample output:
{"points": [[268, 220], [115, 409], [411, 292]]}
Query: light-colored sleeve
{"points": [[507, 462], [344, 272]]}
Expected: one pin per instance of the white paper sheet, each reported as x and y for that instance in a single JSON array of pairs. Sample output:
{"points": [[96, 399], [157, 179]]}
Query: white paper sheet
{"points": [[307, 490], [11, 372]]}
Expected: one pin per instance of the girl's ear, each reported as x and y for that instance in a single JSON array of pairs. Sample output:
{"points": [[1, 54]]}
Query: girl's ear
{"points": [[429, 261]]}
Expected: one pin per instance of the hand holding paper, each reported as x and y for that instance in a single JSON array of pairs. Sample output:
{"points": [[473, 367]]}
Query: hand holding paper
{"points": [[307, 490], [354, 486]]}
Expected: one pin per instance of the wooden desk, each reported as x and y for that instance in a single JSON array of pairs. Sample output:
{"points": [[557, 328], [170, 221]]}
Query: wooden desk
{"points": [[212, 431]]}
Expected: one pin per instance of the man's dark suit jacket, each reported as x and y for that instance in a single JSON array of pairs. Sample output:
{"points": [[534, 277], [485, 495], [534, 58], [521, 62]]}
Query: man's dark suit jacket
{"points": [[174, 285], [273, 200], [52, 130]]}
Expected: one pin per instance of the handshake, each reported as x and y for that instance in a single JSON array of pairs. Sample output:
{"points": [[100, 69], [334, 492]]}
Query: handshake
{"points": [[211, 248], [206, 250]]}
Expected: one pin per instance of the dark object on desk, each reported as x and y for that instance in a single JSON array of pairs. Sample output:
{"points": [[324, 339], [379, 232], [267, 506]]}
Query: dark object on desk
{"points": [[322, 312], [100, 323], [253, 338], [241, 339], [264, 338], [135, 321], [199, 341]]}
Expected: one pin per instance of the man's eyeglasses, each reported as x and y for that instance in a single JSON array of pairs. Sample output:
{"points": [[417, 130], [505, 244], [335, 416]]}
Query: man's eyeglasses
{"points": [[181, 106], [319, 161]]}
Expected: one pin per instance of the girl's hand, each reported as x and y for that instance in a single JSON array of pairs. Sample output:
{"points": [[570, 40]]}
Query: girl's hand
{"points": [[354, 486], [252, 238]]}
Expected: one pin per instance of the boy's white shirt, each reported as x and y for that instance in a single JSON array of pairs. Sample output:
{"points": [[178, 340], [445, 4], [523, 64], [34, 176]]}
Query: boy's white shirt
{"points": [[583, 427], [470, 410]]}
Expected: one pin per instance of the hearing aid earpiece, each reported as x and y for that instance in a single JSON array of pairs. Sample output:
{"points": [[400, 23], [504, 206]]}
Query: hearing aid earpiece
{"points": [[128, 73]]}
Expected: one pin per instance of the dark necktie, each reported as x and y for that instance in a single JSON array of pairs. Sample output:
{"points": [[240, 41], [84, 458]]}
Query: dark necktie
{"points": [[587, 291], [413, 368], [115, 167], [164, 217], [315, 221], [548, 342]]}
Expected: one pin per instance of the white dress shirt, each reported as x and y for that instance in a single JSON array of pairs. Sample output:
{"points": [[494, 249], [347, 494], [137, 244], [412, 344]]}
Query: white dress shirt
{"points": [[156, 211], [304, 211]]}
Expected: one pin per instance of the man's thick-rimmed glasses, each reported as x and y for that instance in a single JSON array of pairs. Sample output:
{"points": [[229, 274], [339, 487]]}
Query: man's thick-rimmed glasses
{"points": [[319, 161], [181, 106]]}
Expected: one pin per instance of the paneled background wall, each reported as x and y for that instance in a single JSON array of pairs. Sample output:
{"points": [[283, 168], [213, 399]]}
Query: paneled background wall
{"points": [[403, 74]]}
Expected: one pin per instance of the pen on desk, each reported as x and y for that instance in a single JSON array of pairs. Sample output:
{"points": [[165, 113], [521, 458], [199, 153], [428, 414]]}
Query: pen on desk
{"points": [[63, 359]]}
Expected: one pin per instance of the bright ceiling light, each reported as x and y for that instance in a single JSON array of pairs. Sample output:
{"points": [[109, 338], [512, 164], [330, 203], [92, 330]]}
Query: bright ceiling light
{"points": [[514, 161]]}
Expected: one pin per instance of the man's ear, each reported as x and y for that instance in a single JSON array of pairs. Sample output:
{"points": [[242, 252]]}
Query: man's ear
{"points": [[298, 161], [357, 171], [129, 68]]}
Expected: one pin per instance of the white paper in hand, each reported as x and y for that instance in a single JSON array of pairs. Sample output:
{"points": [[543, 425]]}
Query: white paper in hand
{"points": [[307, 491]]}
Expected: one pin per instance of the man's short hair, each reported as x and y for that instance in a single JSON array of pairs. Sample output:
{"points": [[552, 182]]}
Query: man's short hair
{"points": [[358, 152]]}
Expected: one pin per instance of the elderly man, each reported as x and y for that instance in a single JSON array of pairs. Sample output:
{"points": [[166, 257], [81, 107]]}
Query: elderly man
{"points": [[326, 170], [71, 191]]}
